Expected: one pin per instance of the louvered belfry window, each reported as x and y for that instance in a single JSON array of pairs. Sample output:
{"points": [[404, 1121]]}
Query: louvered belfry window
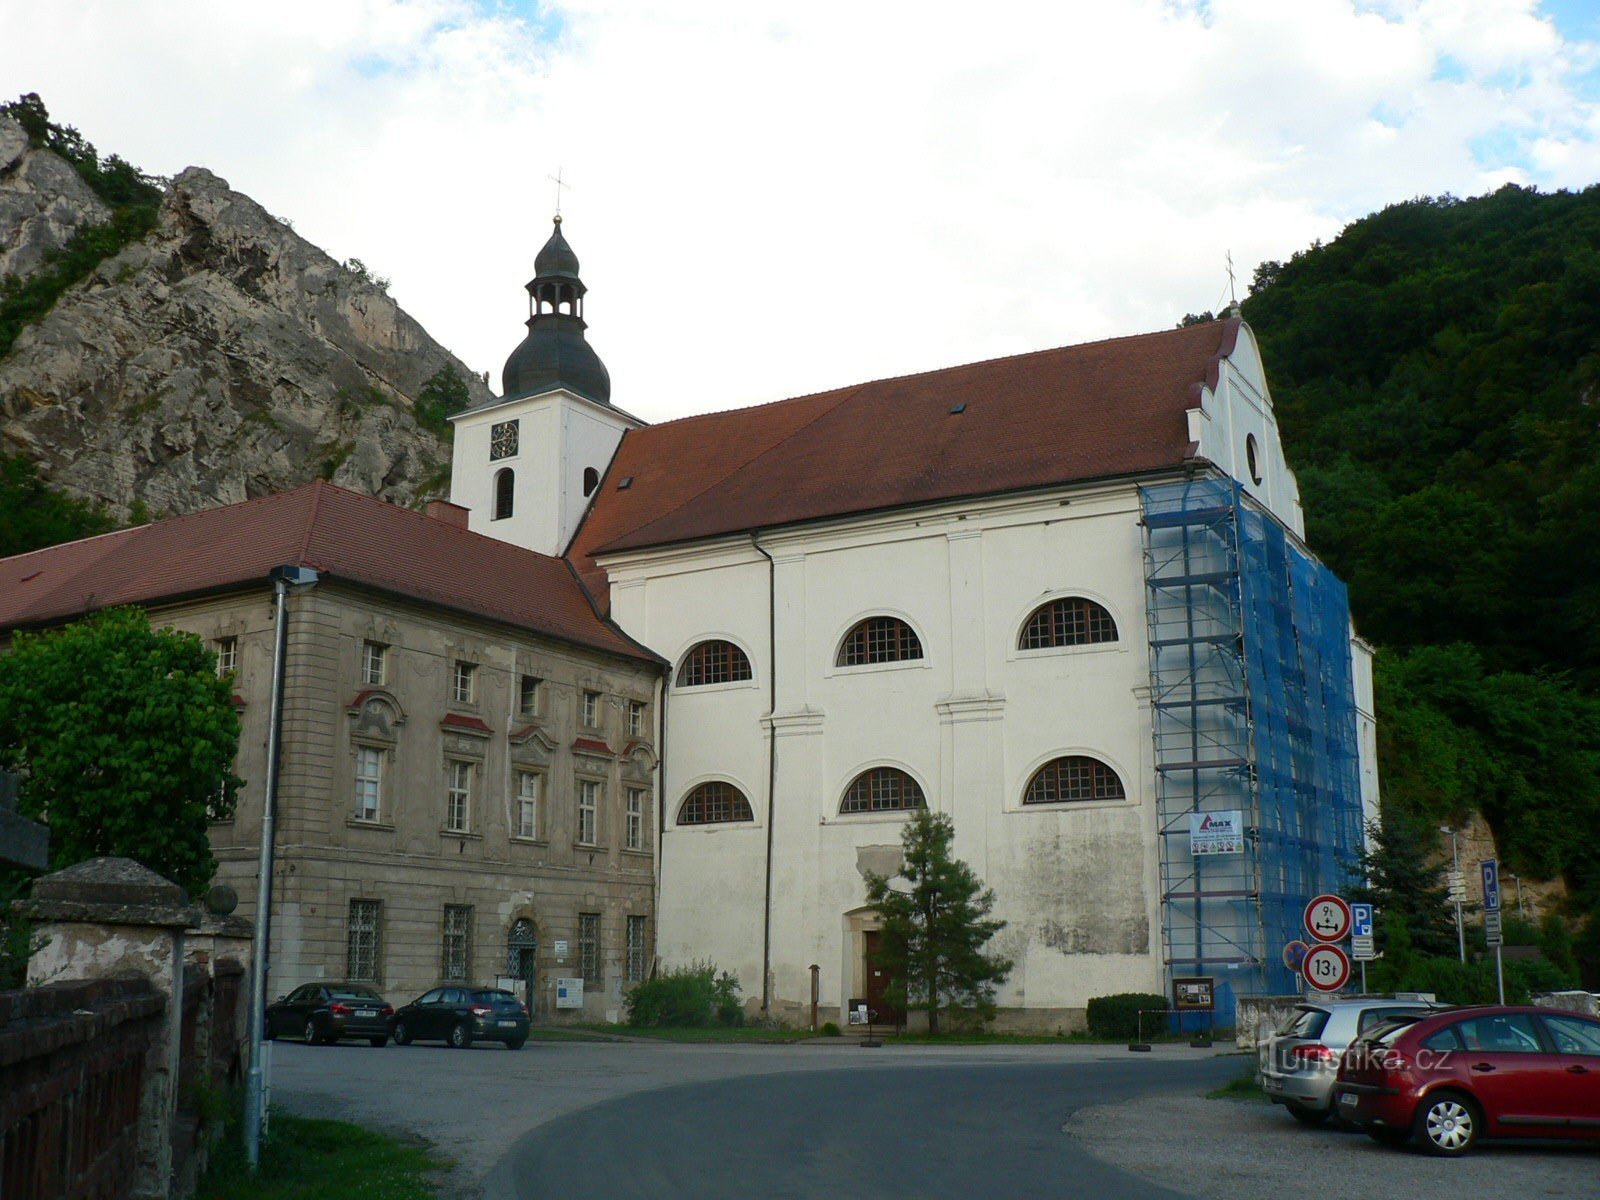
{"points": [[713, 661], [1074, 777], [879, 640], [1072, 621]]}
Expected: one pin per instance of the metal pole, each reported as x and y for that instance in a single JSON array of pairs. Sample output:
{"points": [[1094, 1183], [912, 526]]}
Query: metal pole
{"points": [[1499, 976], [1461, 933], [255, 1080]]}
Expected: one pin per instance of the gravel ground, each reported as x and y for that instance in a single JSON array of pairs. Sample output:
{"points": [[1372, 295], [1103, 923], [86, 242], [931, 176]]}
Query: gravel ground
{"points": [[1251, 1150]]}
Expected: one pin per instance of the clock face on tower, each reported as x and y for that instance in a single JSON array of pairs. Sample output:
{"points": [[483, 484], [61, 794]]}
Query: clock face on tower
{"points": [[503, 440]]}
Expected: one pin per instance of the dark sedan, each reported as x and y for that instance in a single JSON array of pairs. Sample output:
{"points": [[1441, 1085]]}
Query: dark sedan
{"points": [[459, 1016], [326, 1012]]}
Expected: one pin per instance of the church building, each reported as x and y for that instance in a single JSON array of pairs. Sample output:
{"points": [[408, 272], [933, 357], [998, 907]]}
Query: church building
{"points": [[1063, 597]]}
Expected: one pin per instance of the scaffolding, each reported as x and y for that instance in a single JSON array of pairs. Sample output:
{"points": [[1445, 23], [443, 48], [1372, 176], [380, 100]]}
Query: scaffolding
{"points": [[1253, 712]]}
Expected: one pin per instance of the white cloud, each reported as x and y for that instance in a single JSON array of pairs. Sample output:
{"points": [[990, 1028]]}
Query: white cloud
{"points": [[770, 199]]}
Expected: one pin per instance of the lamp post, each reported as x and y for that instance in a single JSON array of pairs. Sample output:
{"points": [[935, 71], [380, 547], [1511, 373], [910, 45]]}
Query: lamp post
{"points": [[255, 1081], [1521, 912], [1457, 886]]}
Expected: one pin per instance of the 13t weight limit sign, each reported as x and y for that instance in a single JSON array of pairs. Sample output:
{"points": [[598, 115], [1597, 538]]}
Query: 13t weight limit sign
{"points": [[1326, 968]]}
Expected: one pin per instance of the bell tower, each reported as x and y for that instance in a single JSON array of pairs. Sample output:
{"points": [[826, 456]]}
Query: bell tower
{"points": [[526, 464]]}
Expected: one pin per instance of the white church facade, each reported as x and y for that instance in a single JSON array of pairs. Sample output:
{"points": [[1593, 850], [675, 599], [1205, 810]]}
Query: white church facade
{"points": [[1062, 597]]}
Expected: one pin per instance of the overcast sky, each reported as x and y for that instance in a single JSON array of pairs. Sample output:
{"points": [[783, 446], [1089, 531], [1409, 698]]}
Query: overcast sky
{"points": [[770, 199]]}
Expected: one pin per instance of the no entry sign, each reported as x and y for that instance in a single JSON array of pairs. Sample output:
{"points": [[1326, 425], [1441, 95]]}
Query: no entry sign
{"points": [[1326, 968], [1328, 919]]}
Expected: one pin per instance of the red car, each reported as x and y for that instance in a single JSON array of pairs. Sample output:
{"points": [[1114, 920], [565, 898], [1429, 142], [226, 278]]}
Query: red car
{"points": [[1454, 1077]]}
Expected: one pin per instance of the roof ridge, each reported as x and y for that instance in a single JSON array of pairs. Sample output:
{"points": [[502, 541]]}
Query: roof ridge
{"points": [[747, 463], [435, 523]]}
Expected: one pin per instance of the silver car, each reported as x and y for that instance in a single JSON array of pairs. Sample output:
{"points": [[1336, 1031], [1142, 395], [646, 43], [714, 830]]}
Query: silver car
{"points": [[1297, 1065]]}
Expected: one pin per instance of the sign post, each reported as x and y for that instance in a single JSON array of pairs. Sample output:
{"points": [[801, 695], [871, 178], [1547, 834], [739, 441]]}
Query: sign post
{"points": [[1327, 968], [1362, 945], [1493, 933]]}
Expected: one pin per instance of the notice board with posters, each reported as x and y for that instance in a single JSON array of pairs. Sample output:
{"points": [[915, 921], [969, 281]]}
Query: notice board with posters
{"points": [[1194, 993]]}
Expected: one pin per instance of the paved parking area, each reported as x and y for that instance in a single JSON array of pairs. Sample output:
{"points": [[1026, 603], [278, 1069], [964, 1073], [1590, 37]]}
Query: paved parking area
{"points": [[1251, 1150], [478, 1106]]}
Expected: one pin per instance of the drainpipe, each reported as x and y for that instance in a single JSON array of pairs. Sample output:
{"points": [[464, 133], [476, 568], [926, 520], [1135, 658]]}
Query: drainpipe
{"points": [[772, 770], [662, 685], [255, 1081]]}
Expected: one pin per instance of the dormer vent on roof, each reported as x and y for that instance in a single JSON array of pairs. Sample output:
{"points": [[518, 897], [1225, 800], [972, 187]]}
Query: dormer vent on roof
{"points": [[556, 353]]}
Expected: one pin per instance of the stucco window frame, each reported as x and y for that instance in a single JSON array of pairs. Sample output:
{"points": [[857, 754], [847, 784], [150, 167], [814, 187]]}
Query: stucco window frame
{"points": [[541, 804], [831, 667], [473, 830], [756, 820], [1019, 787], [645, 849], [893, 816], [387, 767], [579, 778], [702, 689], [1015, 653]]}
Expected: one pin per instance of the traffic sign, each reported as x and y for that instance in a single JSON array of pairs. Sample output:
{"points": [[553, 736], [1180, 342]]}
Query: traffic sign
{"points": [[1326, 968], [1457, 883], [1361, 920], [1328, 919], [1491, 884], [1363, 948], [1493, 934], [1294, 954]]}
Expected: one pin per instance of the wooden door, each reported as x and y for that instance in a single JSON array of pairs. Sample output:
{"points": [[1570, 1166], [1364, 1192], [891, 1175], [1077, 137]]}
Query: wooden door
{"points": [[878, 980]]}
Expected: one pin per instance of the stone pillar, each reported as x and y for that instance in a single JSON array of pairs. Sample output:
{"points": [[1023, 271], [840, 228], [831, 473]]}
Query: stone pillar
{"points": [[112, 917]]}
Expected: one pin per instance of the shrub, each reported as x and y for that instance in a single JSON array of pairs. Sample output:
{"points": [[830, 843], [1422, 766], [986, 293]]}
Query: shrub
{"points": [[830, 1029], [1117, 1016], [690, 997]]}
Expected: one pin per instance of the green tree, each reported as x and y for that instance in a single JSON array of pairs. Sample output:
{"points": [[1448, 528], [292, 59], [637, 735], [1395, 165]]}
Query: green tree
{"points": [[125, 738], [32, 515], [934, 932], [1406, 887], [441, 397]]}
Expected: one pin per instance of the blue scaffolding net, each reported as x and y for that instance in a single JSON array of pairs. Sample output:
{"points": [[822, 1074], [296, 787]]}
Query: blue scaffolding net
{"points": [[1256, 736]]}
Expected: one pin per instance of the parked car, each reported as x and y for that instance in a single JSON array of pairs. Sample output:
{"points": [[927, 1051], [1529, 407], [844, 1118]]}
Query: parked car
{"points": [[326, 1012], [459, 1016], [1456, 1077], [1298, 1064]]}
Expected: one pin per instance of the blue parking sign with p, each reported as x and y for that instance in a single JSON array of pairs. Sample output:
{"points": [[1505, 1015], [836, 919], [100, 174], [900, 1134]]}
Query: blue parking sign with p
{"points": [[1491, 885], [1361, 920]]}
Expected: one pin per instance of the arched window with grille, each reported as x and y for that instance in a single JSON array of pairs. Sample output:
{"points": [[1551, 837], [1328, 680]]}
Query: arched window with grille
{"points": [[505, 489], [713, 661], [1070, 621], [714, 803], [882, 789], [1073, 778], [878, 640]]}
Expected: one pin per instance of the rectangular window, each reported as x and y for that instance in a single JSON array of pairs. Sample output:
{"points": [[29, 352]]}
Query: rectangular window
{"points": [[528, 695], [372, 662], [369, 782], [458, 802], [634, 836], [638, 961], [589, 947], [527, 804], [588, 811], [457, 941], [591, 709], [227, 655], [636, 718], [362, 947], [463, 676]]}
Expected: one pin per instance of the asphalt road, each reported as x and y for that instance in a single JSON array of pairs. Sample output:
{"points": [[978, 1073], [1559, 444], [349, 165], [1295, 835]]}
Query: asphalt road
{"points": [[919, 1133]]}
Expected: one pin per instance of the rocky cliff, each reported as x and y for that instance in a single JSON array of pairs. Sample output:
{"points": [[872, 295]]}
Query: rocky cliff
{"points": [[219, 357]]}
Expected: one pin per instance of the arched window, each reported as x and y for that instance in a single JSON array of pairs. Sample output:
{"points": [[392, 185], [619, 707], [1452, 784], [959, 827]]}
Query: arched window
{"points": [[714, 661], [591, 480], [882, 789], [714, 803], [878, 640], [505, 487], [1075, 777], [1072, 621]]}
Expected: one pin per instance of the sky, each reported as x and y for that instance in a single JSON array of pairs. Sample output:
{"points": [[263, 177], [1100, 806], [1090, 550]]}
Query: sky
{"points": [[771, 199]]}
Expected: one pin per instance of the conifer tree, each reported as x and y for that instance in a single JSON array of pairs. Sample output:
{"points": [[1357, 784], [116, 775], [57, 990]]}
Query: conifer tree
{"points": [[934, 932], [1404, 886]]}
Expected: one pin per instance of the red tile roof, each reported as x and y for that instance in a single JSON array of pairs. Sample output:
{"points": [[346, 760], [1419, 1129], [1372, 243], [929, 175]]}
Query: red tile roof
{"points": [[590, 745], [1098, 410], [343, 535], [462, 721]]}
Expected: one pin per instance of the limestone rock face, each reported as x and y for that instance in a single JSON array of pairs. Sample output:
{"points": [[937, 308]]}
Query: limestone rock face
{"points": [[42, 201], [220, 358]]}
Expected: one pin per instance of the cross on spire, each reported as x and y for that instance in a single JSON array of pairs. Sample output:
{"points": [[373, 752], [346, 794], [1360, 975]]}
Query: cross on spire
{"points": [[1233, 299], [557, 180]]}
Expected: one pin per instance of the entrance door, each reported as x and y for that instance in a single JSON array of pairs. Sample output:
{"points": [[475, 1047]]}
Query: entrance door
{"points": [[522, 953], [878, 980]]}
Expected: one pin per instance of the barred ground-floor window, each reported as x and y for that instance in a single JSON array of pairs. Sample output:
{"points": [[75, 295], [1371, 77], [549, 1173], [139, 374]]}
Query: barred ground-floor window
{"points": [[638, 952], [589, 947], [363, 958], [457, 958]]}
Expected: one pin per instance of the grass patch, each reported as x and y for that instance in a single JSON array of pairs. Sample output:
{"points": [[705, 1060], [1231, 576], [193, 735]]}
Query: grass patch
{"points": [[1244, 1087], [308, 1159]]}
